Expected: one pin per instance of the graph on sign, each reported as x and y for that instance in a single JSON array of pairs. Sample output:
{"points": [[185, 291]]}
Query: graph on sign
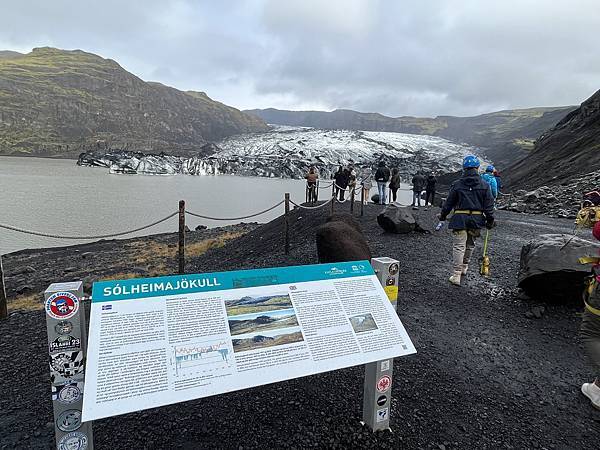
{"points": [[201, 358]]}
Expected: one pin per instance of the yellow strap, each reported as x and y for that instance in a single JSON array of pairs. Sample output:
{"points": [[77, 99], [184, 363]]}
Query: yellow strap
{"points": [[467, 211], [591, 309], [589, 260]]}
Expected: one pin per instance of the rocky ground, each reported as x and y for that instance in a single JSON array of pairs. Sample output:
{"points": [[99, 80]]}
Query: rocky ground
{"points": [[559, 200], [488, 373]]}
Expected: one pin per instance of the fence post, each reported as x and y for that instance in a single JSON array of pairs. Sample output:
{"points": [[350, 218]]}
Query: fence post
{"points": [[362, 201], [181, 256], [286, 223], [3, 301], [377, 394], [352, 200]]}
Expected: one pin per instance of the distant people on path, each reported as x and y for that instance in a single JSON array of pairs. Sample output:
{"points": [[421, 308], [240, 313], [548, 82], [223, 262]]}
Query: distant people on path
{"points": [[471, 199], [311, 183], [366, 181], [490, 179], [394, 183], [340, 179], [430, 189], [590, 329], [418, 187], [351, 178], [498, 180], [382, 176]]}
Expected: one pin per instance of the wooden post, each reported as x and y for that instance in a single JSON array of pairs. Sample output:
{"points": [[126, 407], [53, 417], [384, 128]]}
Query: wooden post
{"points": [[352, 200], [181, 237], [3, 302], [287, 223], [362, 201]]}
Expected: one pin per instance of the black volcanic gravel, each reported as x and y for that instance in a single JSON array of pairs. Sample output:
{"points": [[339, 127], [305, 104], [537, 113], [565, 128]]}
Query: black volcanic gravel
{"points": [[485, 375]]}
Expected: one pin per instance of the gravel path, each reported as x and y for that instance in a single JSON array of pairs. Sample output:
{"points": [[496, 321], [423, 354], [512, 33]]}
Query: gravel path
{"points": [[485, 376]]}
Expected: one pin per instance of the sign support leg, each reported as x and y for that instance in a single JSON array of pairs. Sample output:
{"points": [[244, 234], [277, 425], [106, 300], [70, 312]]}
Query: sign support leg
{"points": [[377, 394]]}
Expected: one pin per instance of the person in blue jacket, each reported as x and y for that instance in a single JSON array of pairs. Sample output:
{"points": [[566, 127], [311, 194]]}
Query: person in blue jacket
{"points": [[490, 179], [473, 204]]}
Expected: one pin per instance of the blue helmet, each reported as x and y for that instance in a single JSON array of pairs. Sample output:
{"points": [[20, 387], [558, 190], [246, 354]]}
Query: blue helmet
{"points": [[490, 168], [470, 162]]}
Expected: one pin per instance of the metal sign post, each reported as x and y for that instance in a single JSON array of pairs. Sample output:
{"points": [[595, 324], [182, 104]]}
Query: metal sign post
{"points": [[377, 394], [67, 339]]}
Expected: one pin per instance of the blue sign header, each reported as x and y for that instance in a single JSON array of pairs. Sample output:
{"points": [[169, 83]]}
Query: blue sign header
{"points": [[131, 289]]}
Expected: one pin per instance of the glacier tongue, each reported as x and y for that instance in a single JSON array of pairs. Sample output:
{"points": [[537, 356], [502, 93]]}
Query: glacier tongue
{"points": [[288, 152]]}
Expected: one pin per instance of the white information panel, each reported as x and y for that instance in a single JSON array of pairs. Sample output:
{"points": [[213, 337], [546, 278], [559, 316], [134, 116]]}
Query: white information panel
{"points": [[158, 341]]}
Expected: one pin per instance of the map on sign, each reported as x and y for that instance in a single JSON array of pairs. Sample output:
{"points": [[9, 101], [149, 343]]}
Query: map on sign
{"points": [[158, 341]]}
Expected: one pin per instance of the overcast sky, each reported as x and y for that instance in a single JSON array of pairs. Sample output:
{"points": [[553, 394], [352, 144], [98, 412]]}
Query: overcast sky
{"points": [[417, 57]]}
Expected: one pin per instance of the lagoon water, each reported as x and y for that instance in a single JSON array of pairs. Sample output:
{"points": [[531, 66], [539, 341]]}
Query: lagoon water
{"points": [[57, 196]]}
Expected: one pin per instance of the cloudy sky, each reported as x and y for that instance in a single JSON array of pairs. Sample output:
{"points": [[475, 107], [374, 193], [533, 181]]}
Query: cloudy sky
{"points": [[397, 57]]}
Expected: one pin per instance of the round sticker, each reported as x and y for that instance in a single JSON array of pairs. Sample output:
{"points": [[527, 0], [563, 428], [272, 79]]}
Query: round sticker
{"points": [[69, 420], [63, 327], [62, 305], [384, 384], [393, 269], [381, 400], [73, 441], [69, 393]]}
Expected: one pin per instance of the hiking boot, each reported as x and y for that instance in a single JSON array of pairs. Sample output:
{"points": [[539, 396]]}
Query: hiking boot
{"points": [[455, 279], [592, 391], [415, 207], [465, 267]]}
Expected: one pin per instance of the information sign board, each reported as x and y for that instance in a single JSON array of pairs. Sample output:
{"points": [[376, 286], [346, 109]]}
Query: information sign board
{"points": [[159, 341]]}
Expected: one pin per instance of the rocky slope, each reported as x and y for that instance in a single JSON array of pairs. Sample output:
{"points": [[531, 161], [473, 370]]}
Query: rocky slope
{"points": [[288, 152], [59, 103], [505, 136], [565, 152]]}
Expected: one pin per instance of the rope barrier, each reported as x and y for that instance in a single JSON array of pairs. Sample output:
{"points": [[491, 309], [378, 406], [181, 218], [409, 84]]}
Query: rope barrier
{"points": [[235, 218], [102, 236], [327, 186], [312, 207]]}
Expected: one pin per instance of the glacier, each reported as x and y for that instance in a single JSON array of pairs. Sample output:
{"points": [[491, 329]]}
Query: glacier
{"points": [[288, 152]]}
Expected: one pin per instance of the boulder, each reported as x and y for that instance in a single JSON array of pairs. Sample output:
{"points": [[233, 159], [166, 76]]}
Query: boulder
{"points": [[395, 219], [341, 239], [375, 198], [201, 227], [550, 269]]}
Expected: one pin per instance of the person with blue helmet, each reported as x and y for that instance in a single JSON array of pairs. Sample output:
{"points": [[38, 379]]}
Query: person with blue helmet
{"points": [[473, 204], [490, 179]]}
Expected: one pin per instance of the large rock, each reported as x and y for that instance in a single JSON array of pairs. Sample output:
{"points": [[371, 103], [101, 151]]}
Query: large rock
{"points": [[395, 219], [341, 239], [550, 268]]}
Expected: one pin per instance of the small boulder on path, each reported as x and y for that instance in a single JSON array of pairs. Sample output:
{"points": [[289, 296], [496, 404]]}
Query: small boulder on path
{"points": [[395, 219]]}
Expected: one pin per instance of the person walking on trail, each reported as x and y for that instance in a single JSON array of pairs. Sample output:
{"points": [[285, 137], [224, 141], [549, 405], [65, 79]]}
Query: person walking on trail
{"points": [[366, 180], [351, 178], [394, 183], [490, 179], [311, 183], [471, 199], [430, 189], [382, 176], [498, 180], [418, 183], [590, 328], [340, 179]]}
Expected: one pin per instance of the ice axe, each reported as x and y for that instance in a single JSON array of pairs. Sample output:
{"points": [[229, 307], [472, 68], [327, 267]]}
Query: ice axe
{"points": [[485, 262]]}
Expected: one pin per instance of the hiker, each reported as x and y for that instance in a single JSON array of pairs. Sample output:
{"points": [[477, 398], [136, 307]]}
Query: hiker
{"points": [[471, 199], [311, 183], [590, 328], [366, 180], [498, 180], [430, 189], [489, 178], [382, 176], [418, 183], [341, 182], [351, 178], [394, 183]]}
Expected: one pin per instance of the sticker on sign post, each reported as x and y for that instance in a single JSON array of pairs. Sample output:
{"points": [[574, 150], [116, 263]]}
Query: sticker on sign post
{"points": [[385, 365], [382, 414], [73, 441], [62, 305], [384, 384]]}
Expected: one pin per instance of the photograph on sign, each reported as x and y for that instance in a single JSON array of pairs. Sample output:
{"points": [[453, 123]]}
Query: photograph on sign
{"points": [[171, 339]]}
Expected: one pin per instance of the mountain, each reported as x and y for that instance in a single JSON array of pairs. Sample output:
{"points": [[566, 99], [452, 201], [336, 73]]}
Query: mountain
{"points": [[504, 136], [59, 103], [565, 152]]}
